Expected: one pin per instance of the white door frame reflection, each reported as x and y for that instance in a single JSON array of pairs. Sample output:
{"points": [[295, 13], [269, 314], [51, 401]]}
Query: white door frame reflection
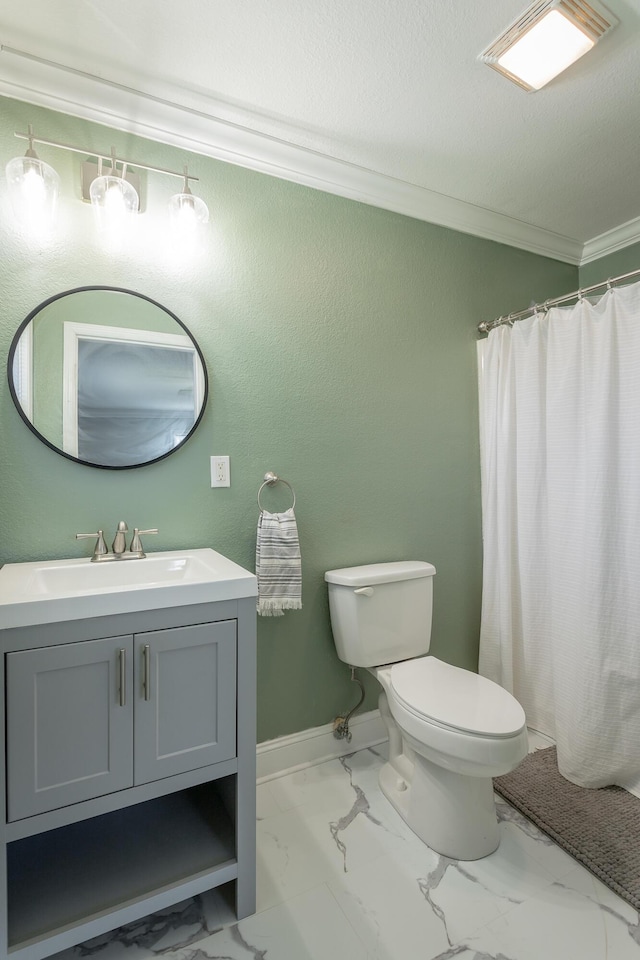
{"points": [[121, 392]]}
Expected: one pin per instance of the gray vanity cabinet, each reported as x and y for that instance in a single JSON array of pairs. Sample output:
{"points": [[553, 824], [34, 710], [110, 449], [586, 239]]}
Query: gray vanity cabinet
{"points": [[185, 702], [130, 770], [85, 719], [68, 729]]}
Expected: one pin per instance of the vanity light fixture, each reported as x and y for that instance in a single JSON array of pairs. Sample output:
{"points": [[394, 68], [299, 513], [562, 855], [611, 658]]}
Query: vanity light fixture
{"points": [[33, 187], [546, 39], [111, 192]]}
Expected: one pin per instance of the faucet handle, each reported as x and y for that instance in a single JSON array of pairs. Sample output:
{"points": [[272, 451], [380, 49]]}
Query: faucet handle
{"points": [[136, 542], [100, 548]]}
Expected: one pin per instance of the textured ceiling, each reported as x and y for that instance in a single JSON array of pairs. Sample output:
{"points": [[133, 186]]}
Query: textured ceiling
{"points": [[392, 86]]}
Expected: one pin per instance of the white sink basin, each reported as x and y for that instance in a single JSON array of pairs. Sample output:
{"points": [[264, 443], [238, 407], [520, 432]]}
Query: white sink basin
{"points": [[55, 590], [78, 576]]}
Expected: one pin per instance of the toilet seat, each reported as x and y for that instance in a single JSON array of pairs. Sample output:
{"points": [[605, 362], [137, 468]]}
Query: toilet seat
{"points": [[456, 699]]}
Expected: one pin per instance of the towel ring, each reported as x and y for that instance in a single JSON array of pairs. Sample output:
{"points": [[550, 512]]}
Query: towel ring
{"points": [[269, 479]]}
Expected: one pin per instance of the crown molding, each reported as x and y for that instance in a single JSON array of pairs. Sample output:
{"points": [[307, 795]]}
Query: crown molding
{"points": [[191, 126], [610, 242]]}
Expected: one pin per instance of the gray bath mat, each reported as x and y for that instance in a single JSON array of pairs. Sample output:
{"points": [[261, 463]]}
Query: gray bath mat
{"points": [[600, 828]]}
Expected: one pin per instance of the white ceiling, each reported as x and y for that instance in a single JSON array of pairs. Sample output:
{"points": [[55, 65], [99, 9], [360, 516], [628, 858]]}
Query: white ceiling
{"points": [[380, 100]]}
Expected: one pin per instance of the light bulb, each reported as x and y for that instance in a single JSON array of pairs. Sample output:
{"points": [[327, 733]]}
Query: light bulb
{"points": [[187, 213], [115, 203], [33, 188]]}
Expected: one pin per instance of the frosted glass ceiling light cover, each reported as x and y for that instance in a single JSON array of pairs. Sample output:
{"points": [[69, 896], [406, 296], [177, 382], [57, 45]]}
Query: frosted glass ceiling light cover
{"points": [[33, 188], [548, 37], [115, 203], [551, 46]]}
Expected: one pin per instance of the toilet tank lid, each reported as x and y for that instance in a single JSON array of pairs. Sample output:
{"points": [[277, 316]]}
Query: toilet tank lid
{"points": [[371, 573]]}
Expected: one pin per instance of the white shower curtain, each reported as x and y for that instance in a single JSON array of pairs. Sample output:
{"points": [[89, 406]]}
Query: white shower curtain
{"points": [[560, 442]]}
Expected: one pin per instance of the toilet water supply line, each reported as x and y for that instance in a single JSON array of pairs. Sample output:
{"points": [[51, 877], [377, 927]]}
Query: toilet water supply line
{"points": [[341, 724]]}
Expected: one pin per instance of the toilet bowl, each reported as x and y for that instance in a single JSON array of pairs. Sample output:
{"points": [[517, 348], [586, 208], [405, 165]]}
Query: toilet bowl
{"points": [[440, 768], [450, 730]]}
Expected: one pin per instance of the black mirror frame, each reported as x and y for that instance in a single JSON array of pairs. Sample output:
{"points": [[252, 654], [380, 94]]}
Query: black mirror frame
{"points": [[32, 428]]}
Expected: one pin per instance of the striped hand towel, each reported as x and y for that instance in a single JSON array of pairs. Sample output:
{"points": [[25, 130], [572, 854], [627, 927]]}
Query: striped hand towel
{"points": [[278, 564]]}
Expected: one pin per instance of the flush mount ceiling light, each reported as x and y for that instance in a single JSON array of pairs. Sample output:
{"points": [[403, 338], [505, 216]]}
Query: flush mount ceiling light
{"points": [[546, 39]]}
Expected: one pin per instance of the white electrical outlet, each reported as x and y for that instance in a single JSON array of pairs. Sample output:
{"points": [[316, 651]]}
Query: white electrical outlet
{"points": [[220, 476]]}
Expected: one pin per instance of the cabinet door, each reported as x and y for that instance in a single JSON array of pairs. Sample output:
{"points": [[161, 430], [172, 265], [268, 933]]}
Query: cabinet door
{"points": [[69, 724], [185, 699]]}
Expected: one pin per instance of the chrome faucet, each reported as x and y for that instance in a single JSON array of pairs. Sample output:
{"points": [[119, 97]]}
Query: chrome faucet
{"points": [[101, 552], [119, 544]]}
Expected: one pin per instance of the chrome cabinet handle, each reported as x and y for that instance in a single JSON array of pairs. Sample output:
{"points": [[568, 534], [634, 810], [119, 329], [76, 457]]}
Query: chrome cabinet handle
{"points": [[122, 657], [146, 683]]}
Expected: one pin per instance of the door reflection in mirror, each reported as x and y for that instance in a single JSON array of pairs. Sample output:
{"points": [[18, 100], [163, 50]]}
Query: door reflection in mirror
{"points": [[134, 400]]}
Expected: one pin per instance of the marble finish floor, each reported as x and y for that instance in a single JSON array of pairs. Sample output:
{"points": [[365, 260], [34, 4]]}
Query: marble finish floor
{"points": [[341, 877]]}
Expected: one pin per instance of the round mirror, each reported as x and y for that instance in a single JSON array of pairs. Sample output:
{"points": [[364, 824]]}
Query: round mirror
{"points": [[107, 377]]}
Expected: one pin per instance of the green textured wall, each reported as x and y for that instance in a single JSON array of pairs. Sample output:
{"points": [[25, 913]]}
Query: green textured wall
{"points": [[340, 344], [613, 265]]}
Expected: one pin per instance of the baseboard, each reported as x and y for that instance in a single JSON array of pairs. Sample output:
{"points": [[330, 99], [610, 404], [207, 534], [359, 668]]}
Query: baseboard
{"points": [[308, 747]]}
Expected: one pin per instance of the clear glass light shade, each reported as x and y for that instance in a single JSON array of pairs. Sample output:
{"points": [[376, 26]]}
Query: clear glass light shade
{"points": [[187, 213], [115, 203], [33, 188]]}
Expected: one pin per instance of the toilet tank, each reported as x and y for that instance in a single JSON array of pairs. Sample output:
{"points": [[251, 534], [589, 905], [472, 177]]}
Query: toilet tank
{"points": [[381, 612]]}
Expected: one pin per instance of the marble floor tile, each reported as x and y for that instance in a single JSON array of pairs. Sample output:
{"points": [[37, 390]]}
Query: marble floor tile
{"points": [[559, 922], [266, 803], [537, 844], [325, 784], [162, 933], [390, 912], [340, 875], [307, 927], [317, 840]]}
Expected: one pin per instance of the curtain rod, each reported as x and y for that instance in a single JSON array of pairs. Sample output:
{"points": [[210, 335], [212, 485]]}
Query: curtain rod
{"points": [[486, 325]]}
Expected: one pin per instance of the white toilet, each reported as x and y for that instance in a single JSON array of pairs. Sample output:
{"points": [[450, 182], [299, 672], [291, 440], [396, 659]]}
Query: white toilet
{"points": [[450, 730]]}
